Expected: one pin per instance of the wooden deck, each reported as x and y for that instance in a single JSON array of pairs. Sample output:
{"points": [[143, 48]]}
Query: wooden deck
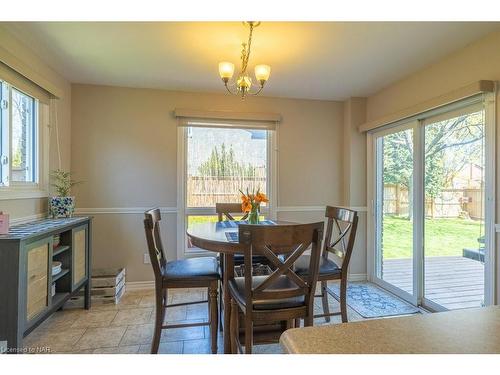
{"points": [[452, 282]]}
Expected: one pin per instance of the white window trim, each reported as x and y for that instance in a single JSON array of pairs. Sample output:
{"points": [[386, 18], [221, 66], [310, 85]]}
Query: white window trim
{"points": [[40, 188], [492, 293], [272, 185]]}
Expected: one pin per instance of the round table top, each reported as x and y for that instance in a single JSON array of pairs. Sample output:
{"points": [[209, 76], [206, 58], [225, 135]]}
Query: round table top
{"points": [[212, 236]]}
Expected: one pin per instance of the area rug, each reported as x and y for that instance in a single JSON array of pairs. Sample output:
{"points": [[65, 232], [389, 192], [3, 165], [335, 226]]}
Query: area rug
{"points": [[370, 301]]}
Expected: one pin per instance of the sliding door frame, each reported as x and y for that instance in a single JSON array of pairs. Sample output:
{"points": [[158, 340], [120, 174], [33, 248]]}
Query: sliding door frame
{"points": [[375, 189], [374, 230]]}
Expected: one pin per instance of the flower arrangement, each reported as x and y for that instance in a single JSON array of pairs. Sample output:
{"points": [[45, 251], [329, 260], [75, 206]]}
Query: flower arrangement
{"points": [[250, 202], [63, 182]]}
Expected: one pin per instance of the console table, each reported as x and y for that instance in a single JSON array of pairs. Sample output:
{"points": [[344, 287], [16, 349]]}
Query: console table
{"points": [[26, 279]]}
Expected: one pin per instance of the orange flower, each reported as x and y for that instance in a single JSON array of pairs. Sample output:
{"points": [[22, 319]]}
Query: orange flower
{"points": [[246, 206], [261, 197], [251, 200]]}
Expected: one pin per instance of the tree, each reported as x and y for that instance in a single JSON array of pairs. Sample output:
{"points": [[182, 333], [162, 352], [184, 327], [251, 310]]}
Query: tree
{"points": [[463, 135], [20, 105], [222, 163]]}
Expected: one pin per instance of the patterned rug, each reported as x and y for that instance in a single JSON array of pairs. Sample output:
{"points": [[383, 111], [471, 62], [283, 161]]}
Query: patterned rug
{"points": [[370, 301]]}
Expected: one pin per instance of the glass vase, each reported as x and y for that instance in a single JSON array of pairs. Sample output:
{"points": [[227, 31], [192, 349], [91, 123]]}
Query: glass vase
{"points": [[253, 216]]}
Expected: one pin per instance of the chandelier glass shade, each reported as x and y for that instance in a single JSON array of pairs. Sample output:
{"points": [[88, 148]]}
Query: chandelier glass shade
{"points": [[243, 82]]}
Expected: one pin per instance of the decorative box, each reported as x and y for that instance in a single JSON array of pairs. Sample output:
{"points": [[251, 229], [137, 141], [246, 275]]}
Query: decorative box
{"points": [[4, 223]]}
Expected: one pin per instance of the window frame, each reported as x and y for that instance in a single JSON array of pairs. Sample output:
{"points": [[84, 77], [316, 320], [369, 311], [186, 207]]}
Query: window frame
{"points": [[40, 162], [184, 211]]}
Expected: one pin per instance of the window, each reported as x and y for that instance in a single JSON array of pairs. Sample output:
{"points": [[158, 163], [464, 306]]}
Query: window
{"points": [[20, 146], [23, 132], [218, 162]]}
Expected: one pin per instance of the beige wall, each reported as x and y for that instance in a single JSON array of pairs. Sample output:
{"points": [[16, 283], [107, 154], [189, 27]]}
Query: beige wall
{"points": [[124, 144], [121, 138], [21, 208], [478, 61], [354, 176]]}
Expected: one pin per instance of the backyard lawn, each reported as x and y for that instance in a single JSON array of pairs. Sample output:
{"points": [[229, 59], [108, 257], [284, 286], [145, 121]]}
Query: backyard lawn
{"points": [[444, 237]]}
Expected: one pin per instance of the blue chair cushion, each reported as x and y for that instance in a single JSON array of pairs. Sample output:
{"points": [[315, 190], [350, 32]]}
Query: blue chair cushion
{"points": [[326, 266], [202, 267]]}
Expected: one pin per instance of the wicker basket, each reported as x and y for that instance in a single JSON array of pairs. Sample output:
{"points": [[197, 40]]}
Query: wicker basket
{"points": [[258, 269]]}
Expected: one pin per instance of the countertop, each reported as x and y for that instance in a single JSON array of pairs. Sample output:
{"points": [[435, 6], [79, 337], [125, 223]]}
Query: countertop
{"points": [[461, 331]]}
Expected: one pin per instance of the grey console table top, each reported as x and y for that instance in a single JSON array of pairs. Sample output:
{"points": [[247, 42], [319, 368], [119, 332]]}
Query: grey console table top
{"points": [[33, 228]]}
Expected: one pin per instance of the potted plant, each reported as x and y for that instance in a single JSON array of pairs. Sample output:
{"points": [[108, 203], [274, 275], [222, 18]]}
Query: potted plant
{"points": [[250, 202], [62, 205]]}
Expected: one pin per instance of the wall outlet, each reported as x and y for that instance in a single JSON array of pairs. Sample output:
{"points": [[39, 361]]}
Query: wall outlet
{"points": [[146, 259]]}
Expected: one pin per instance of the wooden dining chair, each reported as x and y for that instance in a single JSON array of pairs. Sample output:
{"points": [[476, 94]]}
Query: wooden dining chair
{"points": [[225, 212], [199, 272], [283, 295], [340, 234]]}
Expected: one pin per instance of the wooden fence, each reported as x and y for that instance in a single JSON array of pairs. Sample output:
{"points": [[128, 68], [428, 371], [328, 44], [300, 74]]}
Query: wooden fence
{"points": [[206, 191], [448, 204]]}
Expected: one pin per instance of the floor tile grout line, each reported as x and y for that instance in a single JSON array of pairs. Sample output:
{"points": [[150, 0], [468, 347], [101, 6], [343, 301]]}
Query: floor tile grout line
{"points": [[77, 341]]}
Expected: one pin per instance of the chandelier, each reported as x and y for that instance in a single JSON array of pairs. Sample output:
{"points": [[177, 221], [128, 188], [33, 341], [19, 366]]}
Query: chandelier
{"points": [[243, 83]]}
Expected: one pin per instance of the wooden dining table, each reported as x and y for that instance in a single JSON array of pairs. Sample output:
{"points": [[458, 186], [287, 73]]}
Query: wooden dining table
{"points": [[213, 237]]}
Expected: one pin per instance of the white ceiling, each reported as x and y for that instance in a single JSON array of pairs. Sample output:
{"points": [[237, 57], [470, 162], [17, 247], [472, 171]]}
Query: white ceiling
{"points": [[317, 60]]}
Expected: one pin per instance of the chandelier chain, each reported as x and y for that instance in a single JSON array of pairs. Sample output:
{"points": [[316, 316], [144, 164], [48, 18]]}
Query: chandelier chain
{"points": [[246, 51]]}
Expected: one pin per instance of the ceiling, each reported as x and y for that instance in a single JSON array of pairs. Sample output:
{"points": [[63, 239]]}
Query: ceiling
{"points": [[316, 60]]}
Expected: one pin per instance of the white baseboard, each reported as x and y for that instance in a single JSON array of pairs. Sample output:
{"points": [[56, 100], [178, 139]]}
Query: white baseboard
{"points": [[145, 285], [357, 277]]}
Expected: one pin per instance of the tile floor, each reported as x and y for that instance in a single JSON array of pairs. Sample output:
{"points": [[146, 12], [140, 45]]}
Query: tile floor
{"points": [[128, 327]]}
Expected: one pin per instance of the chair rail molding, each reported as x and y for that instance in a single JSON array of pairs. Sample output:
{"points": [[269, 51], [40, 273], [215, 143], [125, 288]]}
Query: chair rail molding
{"points": [[317, 208], [121, 210], [175, 210], [26, 219]]}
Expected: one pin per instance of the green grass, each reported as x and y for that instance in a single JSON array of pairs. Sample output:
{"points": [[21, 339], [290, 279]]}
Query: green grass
{"points": [[443, 237]]}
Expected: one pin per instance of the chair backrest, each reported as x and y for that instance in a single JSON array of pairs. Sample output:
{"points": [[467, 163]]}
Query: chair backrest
{"points": [[226, 209], [288, 240], [340, 235], [152, 220]]}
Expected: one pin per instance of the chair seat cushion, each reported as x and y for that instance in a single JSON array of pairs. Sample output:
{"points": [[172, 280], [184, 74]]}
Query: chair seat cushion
{"points": [[283, 283], [202, 267], [326, 266]]}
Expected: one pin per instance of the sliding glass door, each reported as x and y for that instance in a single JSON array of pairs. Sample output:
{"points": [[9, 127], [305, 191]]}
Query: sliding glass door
{"points": [[454, 236], [429, 192], [394, 189]]}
